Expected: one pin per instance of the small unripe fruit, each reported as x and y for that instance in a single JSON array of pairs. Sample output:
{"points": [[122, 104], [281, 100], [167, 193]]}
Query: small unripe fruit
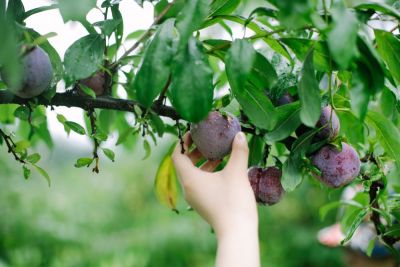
{"points": [[36, 74], [337, 168], [214, 135], [266, 184], [95, 82], [330, 120]]}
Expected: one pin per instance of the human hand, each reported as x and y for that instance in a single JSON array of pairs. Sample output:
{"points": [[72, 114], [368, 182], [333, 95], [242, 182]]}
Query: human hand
{"points": [[225, 198]]}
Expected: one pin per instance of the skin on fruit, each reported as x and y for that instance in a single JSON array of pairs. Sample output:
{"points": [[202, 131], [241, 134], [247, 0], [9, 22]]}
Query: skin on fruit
{"points": [[332, 128], [95, 82], [214, 135], [37, 74], [285, 99], [337, 168], [266, 184]]}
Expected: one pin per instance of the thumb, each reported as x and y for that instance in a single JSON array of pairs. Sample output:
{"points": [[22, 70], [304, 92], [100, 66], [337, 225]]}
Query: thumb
{"points": [[240, 154]]}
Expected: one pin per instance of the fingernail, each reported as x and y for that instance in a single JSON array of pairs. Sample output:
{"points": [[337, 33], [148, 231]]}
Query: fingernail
{"points": [[241, 137]]}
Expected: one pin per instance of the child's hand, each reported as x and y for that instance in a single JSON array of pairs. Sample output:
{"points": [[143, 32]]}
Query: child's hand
{"points": [[224, 199]]}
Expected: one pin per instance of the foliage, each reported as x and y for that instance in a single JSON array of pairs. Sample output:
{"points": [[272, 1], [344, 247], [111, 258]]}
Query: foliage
{"points": [[320, 52]]}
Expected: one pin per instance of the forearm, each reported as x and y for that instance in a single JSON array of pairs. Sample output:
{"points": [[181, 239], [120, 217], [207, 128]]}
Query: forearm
{"points": [[238, 248]]}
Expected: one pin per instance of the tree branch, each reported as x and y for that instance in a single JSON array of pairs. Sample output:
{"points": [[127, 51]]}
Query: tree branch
{"points": [[70, 99], [86, 102]]}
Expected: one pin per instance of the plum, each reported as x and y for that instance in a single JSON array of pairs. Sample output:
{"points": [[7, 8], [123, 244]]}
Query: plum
{"points": [[214, 135], [266, 184], [337, 167], [95, 82], [36, 75], [330, 120], [285, 99]]}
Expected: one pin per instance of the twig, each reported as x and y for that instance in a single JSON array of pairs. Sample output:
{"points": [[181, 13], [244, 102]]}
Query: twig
{"points": [[92, 117], [145, 35], [11, 146], [180, 137]]}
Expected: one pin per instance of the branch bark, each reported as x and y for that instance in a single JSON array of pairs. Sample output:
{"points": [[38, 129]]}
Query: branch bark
{"points": [[70, 99], [86, 102]]}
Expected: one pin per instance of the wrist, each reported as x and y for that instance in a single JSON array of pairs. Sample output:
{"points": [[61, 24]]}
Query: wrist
{"points": [[237, 230]]}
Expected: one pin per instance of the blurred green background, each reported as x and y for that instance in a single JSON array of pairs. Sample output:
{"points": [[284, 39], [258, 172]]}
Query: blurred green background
{"points": [[114, 219]]}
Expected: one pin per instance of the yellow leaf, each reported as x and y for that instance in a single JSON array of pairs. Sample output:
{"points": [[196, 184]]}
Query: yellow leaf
{"points": [[166, 183]]}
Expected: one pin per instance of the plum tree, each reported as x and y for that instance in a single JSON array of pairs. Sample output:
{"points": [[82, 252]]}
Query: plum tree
{"points": [[36, 74], [330, 121], [95, 82], [266, 184], [214, 135], [338, 167], [177, 71]]}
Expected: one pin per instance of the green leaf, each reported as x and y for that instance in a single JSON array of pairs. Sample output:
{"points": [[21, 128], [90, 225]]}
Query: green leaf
{"points": [[291, 173], [351, 127], [191, 17], [223, 7], [238, 63], [393, 230], [342, 38], [165, 184], [135, 35], [389, 49], [33, 158], [257, 106], [83, 162], [301, 47], [119, 31], [263, 75], [288, 120], [388, 135], [309, 94], [16, 10], [256, 150], [38, 10], [292, 168], [84, 56], [192, 83], [75, 9], [21, 146], [87, 90], [379, 7], [108, 26], [147, 149], [360, 93], [109, 153], [156, 66], [124, 135], [22, 113], [324, 210], [43, 173], [294, 14], [358, 219], [75, 127], [26, 171], [370, 248], [100, 136]]}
